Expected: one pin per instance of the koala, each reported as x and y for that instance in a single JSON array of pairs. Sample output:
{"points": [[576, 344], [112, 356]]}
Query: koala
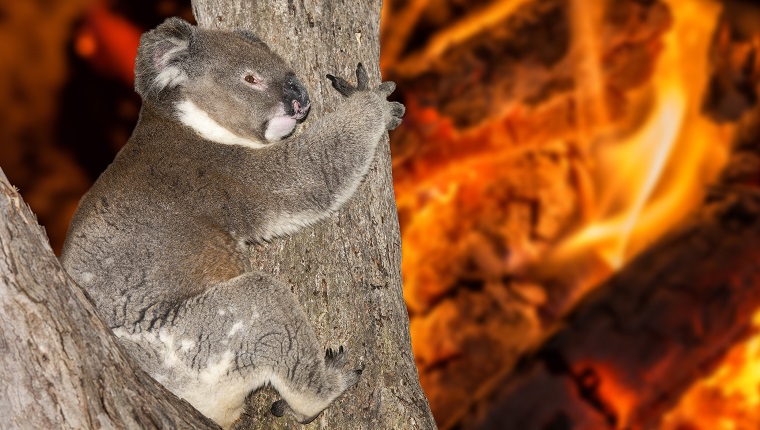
{"points": [[212, 168]]}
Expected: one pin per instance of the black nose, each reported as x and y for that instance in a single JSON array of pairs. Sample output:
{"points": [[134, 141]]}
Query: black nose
{"points": [[295, 97]]}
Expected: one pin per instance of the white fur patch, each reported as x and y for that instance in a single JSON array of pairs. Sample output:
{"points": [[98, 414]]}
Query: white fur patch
{"points": [[280, 125], [286, 223], [170, 76], [235, 328], [217, 394], [200, 121], [213, 390]]}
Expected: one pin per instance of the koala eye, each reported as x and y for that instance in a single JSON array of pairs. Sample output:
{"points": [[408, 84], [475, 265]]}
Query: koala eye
{"points": [[254, 80]]}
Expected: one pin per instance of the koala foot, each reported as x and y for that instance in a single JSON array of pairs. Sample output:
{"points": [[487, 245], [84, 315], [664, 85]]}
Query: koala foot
{"points": [[338, 359], [279, 408], [394, 110], [306, 404]]}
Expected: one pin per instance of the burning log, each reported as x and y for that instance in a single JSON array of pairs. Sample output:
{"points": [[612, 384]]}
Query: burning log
{"points": [[480, 199], [479, 60], [631, 348]]}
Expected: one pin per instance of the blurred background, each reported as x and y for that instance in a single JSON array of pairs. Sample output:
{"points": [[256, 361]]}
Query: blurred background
{"points": [[546, 143]]}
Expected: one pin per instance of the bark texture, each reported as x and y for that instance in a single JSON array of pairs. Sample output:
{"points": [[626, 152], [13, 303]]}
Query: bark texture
{"points": [[346, 270], [60, 365]]}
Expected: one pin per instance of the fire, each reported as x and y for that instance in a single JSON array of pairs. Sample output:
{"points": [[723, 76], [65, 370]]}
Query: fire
{"points": [[647, 180], [641, 172], [729, 399]]}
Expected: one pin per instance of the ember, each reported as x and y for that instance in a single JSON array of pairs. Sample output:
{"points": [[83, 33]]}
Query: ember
{"points": [[729, 399]]}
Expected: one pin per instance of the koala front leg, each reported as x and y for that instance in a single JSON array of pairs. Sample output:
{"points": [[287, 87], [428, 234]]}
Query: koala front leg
{"points": [[236, 337], [321, 168]]}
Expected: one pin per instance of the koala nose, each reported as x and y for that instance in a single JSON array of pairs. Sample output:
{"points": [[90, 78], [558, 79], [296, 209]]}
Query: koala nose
{"points": [[295, 97]]}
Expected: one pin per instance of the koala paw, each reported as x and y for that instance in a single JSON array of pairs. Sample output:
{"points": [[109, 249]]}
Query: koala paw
{"points": [[394, 110], [336, 359], [346, 89]]}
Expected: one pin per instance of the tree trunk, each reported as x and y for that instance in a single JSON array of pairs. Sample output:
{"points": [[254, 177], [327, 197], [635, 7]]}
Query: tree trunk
{"points": [[346, 270], [60, 366]]}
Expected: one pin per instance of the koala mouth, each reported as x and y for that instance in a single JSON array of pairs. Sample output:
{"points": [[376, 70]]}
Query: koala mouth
{"points": [[300, 112], [284, 122]]}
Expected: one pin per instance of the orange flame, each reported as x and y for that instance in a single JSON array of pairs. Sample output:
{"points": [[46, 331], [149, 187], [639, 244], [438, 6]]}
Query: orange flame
{"points": [[729, 399], [649, 179]]}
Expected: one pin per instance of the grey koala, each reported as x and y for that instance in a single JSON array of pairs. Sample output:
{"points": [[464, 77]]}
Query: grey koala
{"points": [[159, 242]]}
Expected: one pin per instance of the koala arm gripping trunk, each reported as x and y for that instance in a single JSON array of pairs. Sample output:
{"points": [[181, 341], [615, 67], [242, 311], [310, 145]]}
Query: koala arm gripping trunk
{"points": [[320, 169]]}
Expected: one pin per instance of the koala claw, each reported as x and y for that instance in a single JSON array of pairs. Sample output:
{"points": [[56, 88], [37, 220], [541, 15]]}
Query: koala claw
{"points": [[343, 87], [362, 79], [362, 84], [335, 358]]}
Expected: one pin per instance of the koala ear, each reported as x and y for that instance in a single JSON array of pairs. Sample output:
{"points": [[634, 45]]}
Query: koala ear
{"points": [[162, 57]]}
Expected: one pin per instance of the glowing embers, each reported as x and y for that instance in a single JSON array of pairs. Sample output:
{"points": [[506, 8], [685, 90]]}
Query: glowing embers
{"points": [[729, 399]]}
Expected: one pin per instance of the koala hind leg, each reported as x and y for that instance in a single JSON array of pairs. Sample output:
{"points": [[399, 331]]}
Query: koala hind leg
{"points": [[250, 331]]}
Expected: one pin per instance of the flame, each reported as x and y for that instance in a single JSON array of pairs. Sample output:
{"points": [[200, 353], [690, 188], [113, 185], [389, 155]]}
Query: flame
{"points": [[647, 182], [649, 179], [459, 31], [646, 176], [729, 399]]}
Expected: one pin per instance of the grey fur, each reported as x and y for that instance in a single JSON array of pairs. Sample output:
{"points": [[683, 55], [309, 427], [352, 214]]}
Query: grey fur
{"points": [[159, 241]]}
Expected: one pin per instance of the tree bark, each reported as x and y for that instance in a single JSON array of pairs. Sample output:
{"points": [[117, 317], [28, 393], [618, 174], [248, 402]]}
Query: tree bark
{"points": [[346, 270], [60, 365]]}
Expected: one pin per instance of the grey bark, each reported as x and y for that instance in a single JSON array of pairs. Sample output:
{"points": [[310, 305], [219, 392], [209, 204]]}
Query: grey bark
{"points": [[346, 271], [60, 366]]}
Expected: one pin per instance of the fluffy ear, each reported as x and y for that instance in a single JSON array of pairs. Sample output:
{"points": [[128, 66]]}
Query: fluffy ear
{"points": [[161, 57]]}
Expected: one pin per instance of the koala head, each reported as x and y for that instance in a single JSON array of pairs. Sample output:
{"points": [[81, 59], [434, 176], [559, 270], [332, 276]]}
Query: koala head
{"points": [[228, 86]]}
